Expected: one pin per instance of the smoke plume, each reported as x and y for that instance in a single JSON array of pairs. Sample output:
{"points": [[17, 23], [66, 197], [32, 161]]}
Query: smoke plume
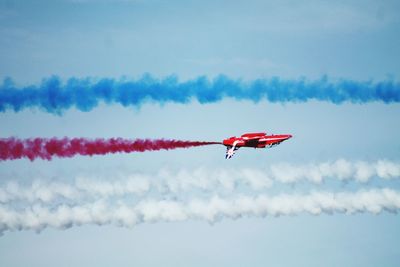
{"points": [[54, 96], [13, 148], [38, 217]]}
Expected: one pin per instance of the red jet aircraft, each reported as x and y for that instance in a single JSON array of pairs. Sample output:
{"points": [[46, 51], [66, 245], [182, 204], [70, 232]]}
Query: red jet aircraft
{"points": [[256, 140]]}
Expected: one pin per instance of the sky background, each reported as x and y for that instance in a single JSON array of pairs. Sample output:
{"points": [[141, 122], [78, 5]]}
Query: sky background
{"points": [[357, 40]]}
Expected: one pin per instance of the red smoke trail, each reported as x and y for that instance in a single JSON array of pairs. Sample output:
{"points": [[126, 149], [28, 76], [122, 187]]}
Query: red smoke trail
{"points": [[44, 148]]}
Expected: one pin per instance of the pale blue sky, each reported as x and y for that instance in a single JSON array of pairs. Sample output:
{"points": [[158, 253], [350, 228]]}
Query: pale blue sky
{"points": [[345, 39], [290, 39]]}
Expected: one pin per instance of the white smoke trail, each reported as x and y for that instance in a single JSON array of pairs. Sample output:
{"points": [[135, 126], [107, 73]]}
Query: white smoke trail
{"points": [[38, 217], [80, 189], [361, 171], [183, 180], [175, 182], [128, 184]]}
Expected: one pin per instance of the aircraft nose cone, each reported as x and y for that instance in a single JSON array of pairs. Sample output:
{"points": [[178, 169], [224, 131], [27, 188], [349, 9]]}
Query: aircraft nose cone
{"points": [[288, 136]]}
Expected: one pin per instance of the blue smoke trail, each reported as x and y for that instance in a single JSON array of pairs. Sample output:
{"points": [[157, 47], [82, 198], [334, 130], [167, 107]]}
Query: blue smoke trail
{"points": [[84, 94]]}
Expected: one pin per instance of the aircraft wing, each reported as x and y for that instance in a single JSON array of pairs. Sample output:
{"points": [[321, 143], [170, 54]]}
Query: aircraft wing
{"points": [[230, 151]]}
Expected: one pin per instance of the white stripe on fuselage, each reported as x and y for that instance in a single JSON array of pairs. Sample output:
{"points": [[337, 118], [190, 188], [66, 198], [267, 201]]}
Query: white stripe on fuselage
{"points": [[271, 139]]}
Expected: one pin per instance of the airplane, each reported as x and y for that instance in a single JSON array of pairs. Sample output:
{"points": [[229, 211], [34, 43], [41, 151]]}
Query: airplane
{"points": [[256, 140]]}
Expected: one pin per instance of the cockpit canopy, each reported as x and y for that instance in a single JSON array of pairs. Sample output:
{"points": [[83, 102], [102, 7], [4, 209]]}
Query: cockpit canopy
{"points": [[249, 135]]}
